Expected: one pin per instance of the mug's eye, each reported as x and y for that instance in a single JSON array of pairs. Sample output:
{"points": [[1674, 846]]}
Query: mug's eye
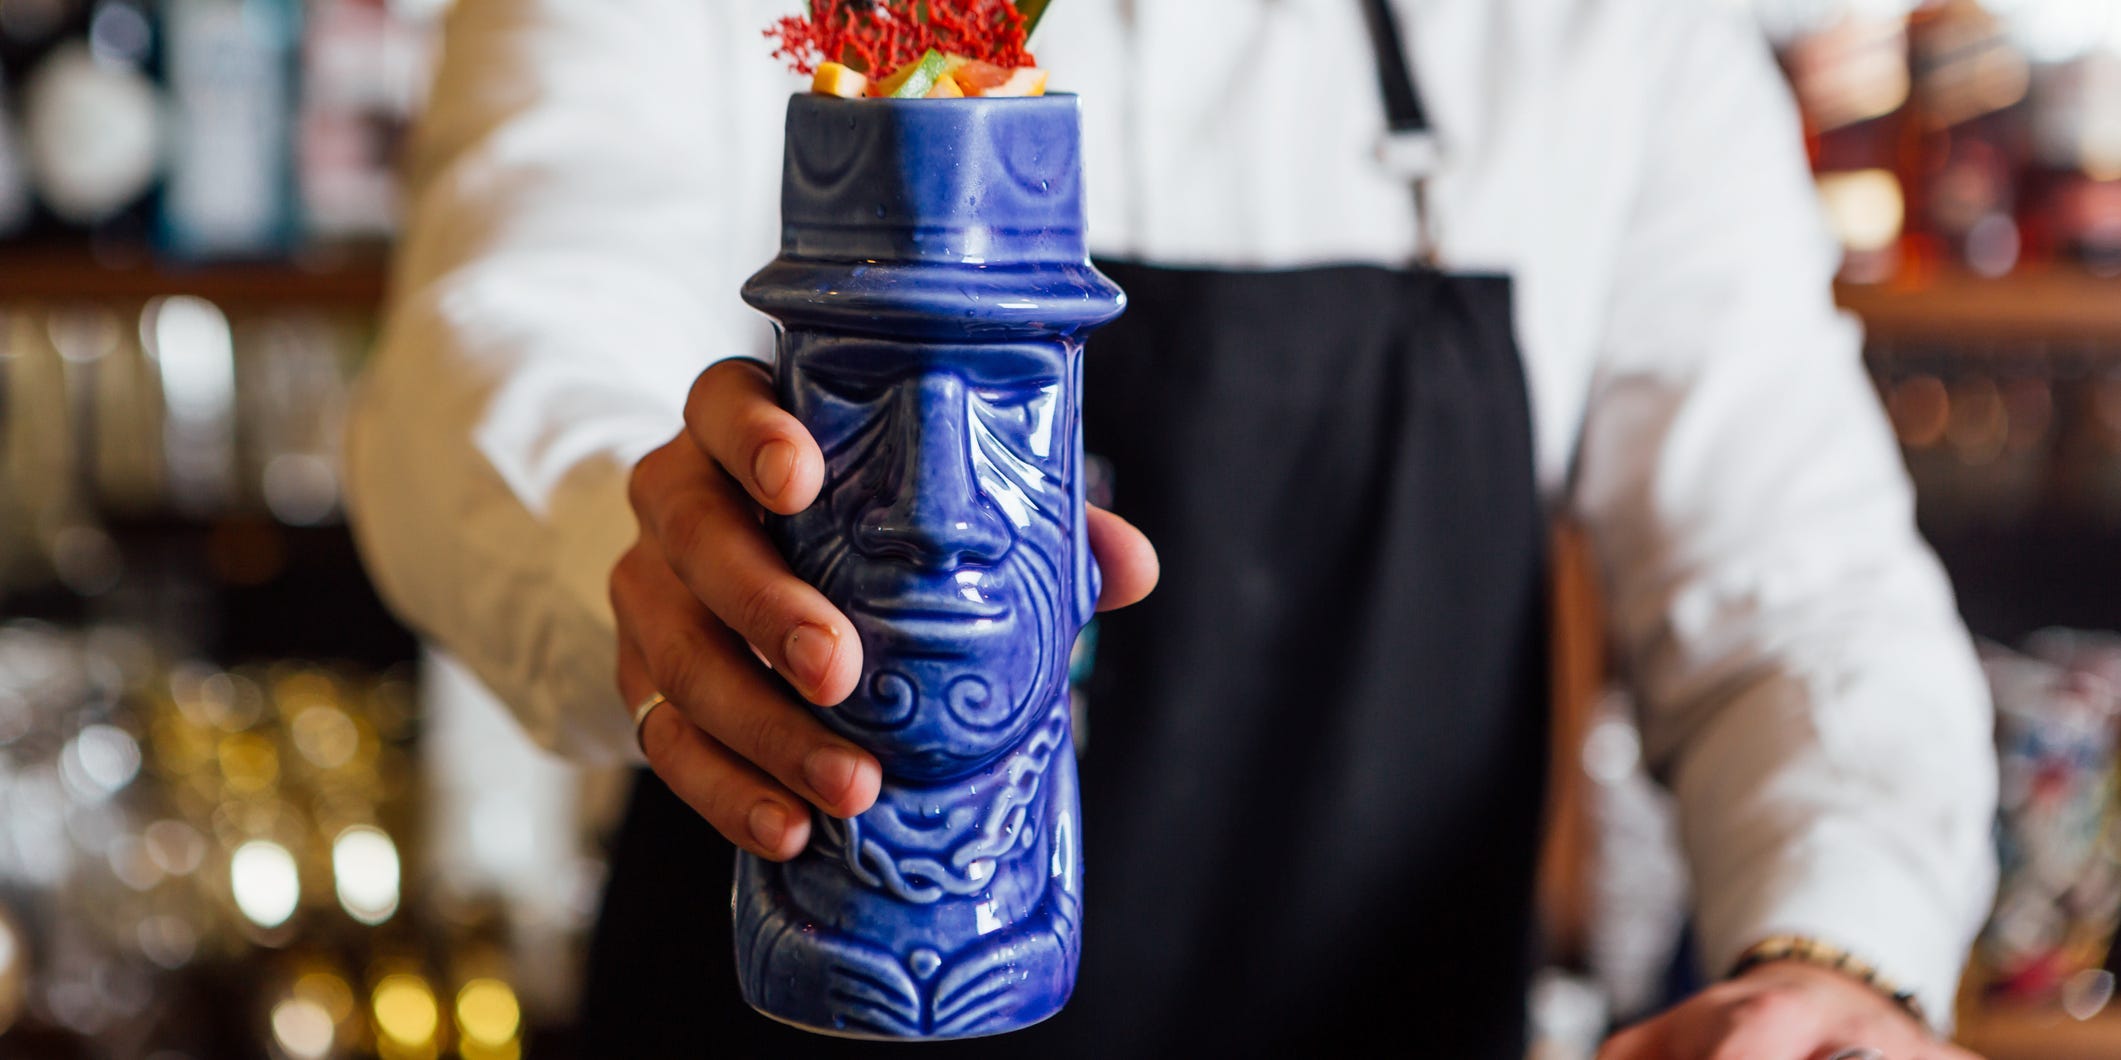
{"points": [[1012, 397], [857, 389], [1004, 398]]}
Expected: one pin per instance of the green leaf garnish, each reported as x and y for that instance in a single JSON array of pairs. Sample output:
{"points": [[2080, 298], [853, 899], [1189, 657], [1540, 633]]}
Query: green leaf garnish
{"points": [[1032, 10]]}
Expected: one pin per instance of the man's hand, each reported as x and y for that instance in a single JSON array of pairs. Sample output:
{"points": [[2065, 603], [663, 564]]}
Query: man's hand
{"points": [[702, 597], [1782, 1010]]}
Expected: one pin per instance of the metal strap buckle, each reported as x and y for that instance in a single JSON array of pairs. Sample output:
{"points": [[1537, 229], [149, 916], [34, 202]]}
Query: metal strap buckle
{"points": [[1410, 155]]}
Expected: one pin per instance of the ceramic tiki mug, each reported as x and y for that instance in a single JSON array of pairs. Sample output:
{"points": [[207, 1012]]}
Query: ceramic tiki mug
{"points": [[933, 292]]}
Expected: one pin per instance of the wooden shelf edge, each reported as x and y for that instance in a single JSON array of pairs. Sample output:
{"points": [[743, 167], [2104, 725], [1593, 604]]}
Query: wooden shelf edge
{"points": [[1953, 307], [356, 279], [1946, 307]]}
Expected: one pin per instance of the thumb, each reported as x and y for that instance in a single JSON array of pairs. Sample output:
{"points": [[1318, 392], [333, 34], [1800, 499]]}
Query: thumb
{"points": [[1643, 1041], [1126, 558]]}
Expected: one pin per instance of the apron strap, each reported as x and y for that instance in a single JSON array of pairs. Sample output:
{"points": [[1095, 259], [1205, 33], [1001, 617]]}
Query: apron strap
{"points": [[1403, 110], [1408, 147]]}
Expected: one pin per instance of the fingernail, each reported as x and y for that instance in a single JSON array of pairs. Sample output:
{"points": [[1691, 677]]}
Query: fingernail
{"points": [[809, 652], [773, 466], [830, 771], [769, 823]]}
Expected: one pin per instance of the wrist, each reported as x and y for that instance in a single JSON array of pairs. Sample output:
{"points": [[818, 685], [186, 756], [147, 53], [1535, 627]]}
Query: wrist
{"points": [[1799, 954]]}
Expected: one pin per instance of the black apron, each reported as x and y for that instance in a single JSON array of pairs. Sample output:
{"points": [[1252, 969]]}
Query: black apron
{"points": [[1316, 760]]}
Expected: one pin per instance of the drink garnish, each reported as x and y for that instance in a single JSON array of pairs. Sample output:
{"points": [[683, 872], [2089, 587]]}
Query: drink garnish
{"points": [[914, 49]]}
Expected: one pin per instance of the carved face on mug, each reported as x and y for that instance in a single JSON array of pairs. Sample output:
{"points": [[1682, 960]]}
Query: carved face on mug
{"points": [[950, 530]]}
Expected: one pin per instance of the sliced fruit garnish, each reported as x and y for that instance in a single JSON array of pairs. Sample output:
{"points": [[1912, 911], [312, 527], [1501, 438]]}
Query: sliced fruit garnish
{"points": [[987, 79], [834, 79], [916, 79], [976, 77]]}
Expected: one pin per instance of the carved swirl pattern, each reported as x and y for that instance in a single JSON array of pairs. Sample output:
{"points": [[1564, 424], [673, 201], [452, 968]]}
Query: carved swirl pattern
{"points": [[1004, 823], [893, 697], [971, 700]]}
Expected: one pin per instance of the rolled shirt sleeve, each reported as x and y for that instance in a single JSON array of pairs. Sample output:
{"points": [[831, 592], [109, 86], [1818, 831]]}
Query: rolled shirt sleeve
{"points": [[1805, 685], [581, 216]]}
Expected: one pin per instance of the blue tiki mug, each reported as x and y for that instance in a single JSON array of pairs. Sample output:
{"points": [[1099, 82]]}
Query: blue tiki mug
{"points": [[933, 292]]}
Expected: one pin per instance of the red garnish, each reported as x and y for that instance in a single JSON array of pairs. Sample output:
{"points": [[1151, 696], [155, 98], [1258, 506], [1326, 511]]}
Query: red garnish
{"points": [[879, 36]]}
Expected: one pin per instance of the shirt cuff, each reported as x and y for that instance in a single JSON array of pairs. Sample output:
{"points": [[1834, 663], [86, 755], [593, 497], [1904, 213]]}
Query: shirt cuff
{"points": [[1848, 893]]}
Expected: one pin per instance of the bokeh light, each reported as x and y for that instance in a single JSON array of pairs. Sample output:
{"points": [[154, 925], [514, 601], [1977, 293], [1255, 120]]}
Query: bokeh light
{"points": [[266, 885], [167, 940], [487, 1013], [405, 1010], [327, 990], [364, 865], [99, 761], [177, 848], [249, 762], [1864, 207], [1920, 407], [325, 736], [303, 1028]]}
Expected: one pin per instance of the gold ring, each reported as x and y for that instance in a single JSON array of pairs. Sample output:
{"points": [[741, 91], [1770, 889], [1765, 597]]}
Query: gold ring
{"points": [[641, 711]]}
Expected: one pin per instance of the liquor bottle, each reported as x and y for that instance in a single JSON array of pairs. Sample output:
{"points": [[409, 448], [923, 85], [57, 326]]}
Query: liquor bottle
{"points": [[230, 67], [2077, 127], [93, 125], [365, 69], [16, 205]]}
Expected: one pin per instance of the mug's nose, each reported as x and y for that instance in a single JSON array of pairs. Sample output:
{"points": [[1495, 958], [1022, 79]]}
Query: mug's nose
{"points": [[927, 508]]}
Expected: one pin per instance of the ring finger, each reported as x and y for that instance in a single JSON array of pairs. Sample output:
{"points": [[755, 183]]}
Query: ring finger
{"points": [[717, 684], [740, 802]]}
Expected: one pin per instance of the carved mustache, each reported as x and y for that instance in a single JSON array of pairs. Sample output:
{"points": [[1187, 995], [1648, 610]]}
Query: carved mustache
{"points": [[1028, 579], [896, 687]]}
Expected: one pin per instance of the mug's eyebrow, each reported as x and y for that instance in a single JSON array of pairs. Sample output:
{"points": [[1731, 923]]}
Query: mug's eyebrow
{"points": [[1016, 366], [868, 360]]}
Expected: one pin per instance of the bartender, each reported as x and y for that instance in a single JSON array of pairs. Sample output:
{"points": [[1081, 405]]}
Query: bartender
{"points": [[1409, 278]]}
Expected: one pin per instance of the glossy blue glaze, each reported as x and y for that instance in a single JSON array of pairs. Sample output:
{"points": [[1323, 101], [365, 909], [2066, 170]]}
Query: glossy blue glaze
{"points": [[933, 291]]}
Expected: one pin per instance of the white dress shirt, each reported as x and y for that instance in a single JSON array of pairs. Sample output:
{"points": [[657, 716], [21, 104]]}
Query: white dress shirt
{"points": [[596, 178]]}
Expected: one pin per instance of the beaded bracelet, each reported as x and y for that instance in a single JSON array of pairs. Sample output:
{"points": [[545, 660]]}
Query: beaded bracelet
{"points": [[1805, 950]]}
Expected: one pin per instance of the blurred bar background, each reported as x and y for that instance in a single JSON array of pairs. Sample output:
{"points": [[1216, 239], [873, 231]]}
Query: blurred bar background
{"points": [[244, 813], [241, 812], [1968, 156]]}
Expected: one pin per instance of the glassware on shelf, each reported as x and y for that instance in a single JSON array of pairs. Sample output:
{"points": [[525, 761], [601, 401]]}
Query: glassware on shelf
{"points": [[1979, 430], [2095, 465], [123, 411], [189, 342], [207, 129], [94, 120], [364, 75], [229, 70], [16, 202], [167, 822], [1977, 133], [295, 374], [2077, 133], [1850, 73], [1970, 80], [47, 445], [2059, 898]]}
